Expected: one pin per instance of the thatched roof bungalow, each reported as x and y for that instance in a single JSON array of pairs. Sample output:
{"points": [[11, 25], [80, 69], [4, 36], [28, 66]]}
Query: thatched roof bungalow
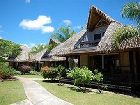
{"points": [[23, 57], [93, 47], [95, 19]]}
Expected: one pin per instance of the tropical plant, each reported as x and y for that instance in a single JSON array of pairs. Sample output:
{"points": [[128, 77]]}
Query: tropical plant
{"points": [[132, 11], [63, 33], [51, 46], [33, 72], [38, 48], [6, 72], [61, 72], [97, 77], [122, 34], [8, 48], [51, 73], [81, 76], [24, 69]]}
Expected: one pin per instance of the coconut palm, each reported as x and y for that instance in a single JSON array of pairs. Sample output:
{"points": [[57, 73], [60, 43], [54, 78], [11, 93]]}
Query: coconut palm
{"points": [[63, 33], [37, 48], [132, 11]]}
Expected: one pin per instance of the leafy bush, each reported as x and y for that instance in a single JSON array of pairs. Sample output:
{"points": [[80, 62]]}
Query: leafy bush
{"points": [[51, 73], [6, 72], [24, 69], [17, 72], [81, 75], [97, 77], [123, 33], [45, 68], [34, 72], [61, 72]]}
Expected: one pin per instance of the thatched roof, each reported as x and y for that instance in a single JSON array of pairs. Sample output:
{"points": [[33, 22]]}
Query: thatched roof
{"points": [[26, 56], [38, 56], [54, 41], [130, 43], [44, 56], [95, 15], [106, 43], [23, 57], [53, 58], [68, 46]]}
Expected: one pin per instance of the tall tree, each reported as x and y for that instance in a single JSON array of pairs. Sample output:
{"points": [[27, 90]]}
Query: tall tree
{"points": [[38, 48], [8, 48], [63, 33], [132, 11]]}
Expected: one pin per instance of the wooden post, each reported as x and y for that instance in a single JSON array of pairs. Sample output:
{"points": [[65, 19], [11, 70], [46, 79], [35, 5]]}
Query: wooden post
{"points": [[67, 63], [78, 60], [135, 69], [131, 60], [102, 61]]}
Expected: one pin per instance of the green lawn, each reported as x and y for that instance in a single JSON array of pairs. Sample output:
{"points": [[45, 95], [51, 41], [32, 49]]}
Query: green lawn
{"points": [[31, 76], [91, 98], [11, 92]]}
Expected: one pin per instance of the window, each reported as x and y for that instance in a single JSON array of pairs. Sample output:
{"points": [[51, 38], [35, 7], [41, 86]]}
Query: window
{"points": [[97, 36]]}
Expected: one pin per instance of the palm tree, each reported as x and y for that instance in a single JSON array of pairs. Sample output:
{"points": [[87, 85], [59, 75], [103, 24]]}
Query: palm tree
{"points": [[63, 33], [132, 11], [37, 48]]}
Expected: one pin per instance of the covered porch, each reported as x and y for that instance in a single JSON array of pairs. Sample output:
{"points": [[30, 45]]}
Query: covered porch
{"points": [[120, 68]]}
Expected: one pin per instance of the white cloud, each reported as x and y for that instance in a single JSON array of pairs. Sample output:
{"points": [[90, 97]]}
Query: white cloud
{"points": [[27, 1], [47, 29], [67, 22], [37, 24]]}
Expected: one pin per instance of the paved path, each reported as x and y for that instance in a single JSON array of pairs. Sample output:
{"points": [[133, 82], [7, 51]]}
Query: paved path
{"points": [[38, 95], [24, 102]]}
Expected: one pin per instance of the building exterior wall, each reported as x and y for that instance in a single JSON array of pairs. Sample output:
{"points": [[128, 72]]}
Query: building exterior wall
{"points": [[83, 60], [90, 35], [124, 61]]}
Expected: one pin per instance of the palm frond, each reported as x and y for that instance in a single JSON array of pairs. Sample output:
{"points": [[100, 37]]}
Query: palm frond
{"points": [[132, 11], [63, 33]]}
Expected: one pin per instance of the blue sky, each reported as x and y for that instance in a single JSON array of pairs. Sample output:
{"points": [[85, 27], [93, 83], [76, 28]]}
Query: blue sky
{"points": [[33, 21]]}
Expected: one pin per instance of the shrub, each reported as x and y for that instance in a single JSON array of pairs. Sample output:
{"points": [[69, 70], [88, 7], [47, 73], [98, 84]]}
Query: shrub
{"points": [[34, 72], [45, 68], [17, 72], [6, 72], [61, 72], [24, 69], [97, 77], [81, 75], [51, 73]]}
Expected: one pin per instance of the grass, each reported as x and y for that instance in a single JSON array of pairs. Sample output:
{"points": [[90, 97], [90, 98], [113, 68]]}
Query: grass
{"points": [[30, 76], [11, 92], [91, 98]]}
